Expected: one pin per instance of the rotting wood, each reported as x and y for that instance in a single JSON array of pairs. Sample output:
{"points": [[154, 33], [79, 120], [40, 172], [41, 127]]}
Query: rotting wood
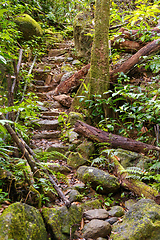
{"points": [[113, 141]]}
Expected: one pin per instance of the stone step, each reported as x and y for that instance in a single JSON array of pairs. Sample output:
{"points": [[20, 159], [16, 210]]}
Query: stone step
{"points": [[47, 117], [43, 88], [59, 147], [53, 113], [38, 82], [46, 125], [47, 135]]}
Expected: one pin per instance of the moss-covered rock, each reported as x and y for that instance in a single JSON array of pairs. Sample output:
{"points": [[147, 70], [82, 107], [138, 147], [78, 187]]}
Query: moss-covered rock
{"points": [[116, 211], [141, 222], [83, 33], [101, 181], [73, 117], [86, 148], [75, 160], [21, 221], [61, 220], [28, 26]]}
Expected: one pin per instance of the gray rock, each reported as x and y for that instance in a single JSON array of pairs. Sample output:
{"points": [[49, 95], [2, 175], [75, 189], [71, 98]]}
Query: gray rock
{"points": [[96, 228], [105, 182], [69, 59], [66, 76], [72, 135], [86, 149], [112, 220], [47, 135], [75, 160], [76, 62], [100, 238], [116, 211], [74, 196], [96, 214], [21, 221], [47, 125], [129, 203], [142, 221], [79, 186]]}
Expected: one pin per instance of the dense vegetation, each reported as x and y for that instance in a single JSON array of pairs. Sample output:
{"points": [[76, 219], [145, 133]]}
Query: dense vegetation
{"points": [[134, 107]]}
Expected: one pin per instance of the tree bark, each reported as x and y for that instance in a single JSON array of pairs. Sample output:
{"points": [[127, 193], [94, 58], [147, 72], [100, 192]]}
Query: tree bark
{"points": [[113, 141], [99, 72]]}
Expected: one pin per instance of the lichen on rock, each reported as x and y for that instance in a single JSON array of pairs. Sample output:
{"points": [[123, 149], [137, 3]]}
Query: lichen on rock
{"points": [[21, 221]]}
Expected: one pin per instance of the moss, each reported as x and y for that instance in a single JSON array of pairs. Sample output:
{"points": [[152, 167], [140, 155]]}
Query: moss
{"points": [[28, 26], [62, 219], [142, 221], [21, 222]]}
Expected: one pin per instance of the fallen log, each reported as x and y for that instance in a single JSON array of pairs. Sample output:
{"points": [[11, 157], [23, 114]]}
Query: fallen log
{"points": [[113, 141], [137, 187], [127, 45], [151, 48]]}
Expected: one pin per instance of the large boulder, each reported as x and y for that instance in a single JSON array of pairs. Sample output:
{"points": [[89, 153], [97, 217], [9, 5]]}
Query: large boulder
{"points": [[28, 26], [21, 221], [99, 179], [83, 33], [141, 222]]}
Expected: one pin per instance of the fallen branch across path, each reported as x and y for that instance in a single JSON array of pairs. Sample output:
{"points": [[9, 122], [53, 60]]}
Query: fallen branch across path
{"points": [[113, 141], [32, 161]]}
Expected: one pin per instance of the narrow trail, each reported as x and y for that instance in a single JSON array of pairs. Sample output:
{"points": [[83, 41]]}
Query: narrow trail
{"points": [[53, 69]]}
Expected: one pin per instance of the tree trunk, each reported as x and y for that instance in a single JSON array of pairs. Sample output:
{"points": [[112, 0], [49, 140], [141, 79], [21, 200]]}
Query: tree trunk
{"points": [[113, 141], [99, 72]]}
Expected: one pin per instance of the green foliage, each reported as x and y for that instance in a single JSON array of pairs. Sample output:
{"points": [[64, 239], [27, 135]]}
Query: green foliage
{"points": [[3, 196]]}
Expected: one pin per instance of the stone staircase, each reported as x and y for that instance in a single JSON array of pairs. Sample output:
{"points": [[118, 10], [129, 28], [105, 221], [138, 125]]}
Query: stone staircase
{"points": [[47, 75]]}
